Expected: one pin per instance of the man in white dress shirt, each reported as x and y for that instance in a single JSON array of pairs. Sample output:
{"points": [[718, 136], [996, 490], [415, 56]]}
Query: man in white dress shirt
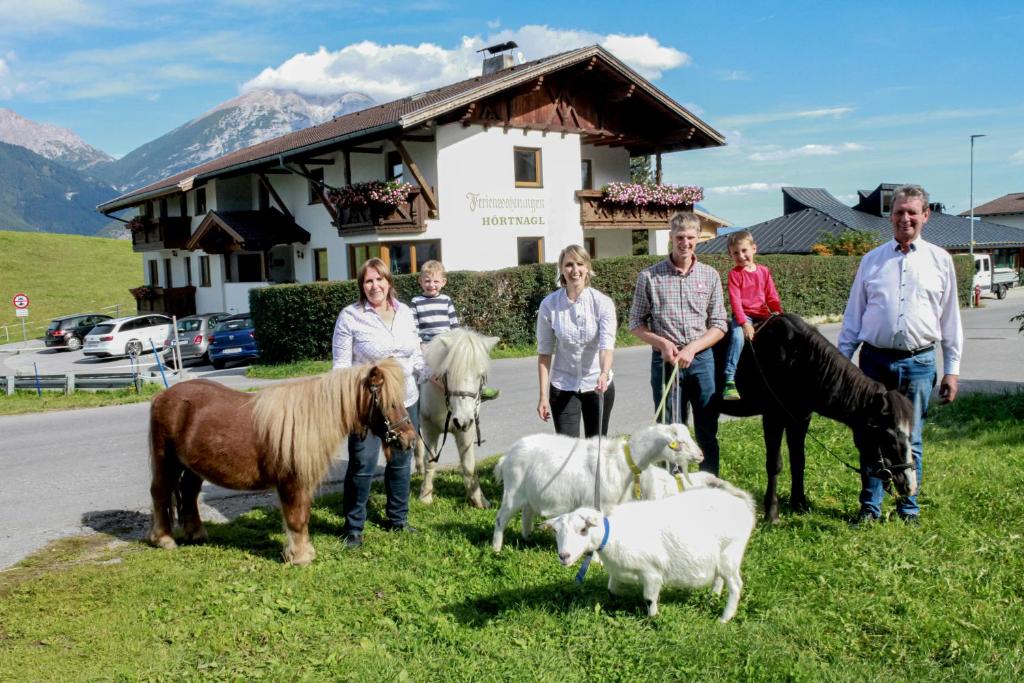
{"points": [[903, 302]]}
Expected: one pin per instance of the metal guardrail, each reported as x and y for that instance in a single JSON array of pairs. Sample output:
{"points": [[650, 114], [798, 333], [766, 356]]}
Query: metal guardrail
{"points": [[73, 381]]}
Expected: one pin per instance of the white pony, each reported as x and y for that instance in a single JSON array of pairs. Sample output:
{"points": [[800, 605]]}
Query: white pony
{"points": [[460, 359]]}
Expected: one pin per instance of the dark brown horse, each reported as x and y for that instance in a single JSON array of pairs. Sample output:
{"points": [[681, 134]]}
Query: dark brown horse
{"points": [[282, 437], [789, 371]]}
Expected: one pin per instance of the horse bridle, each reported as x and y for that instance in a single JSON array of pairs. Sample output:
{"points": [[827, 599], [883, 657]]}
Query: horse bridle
{"points": [[391, 434], [448, 394]]}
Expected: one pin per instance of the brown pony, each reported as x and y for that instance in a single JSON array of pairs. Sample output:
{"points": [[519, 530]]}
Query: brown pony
{"points": [[281, 437]]}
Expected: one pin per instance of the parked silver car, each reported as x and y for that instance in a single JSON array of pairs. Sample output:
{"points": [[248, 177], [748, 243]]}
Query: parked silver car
{"points": [[194, 334]]}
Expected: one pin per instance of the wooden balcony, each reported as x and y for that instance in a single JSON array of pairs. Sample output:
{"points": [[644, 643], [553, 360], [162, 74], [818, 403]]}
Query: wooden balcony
{"points": [[597, 214], [405, 219], [152, 234]]}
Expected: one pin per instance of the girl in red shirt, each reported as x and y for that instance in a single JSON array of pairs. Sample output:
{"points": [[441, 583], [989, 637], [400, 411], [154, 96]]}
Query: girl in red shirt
{"points": [[753, 298]]}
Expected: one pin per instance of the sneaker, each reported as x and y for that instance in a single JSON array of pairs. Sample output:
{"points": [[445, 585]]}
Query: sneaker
{"points": [[911, 520], [489, 393], [353, 541], [730, 393]]}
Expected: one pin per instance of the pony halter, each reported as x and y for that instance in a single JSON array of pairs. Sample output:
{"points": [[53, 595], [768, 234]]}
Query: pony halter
{"points": [[391, 434]]}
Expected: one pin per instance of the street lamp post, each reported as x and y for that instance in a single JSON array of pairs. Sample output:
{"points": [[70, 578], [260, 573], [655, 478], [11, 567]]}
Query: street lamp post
{"points": [[971, 244]]}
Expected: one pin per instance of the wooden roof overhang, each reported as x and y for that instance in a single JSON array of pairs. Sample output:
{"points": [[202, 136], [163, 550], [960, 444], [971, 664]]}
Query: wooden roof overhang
{"points": [[228, 231], [588, 92]]}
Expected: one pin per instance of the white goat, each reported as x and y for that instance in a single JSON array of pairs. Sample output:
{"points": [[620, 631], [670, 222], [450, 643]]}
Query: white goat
{"points": [[547, 474], [657, 482], [690, 540]]}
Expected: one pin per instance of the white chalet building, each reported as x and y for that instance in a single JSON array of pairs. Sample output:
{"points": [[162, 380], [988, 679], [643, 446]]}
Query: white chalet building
{"points": [[505, 168]]}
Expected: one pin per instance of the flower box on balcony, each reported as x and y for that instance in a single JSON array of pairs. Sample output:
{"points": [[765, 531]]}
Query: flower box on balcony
{"points": [[368, 208], [631, 207]]}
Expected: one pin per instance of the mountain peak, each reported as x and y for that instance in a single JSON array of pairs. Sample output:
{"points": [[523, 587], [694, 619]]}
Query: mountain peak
{"points": [[253, 117], [50, 141]]}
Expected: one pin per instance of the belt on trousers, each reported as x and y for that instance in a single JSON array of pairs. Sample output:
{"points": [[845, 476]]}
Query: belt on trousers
{"points": [[900, 353]]}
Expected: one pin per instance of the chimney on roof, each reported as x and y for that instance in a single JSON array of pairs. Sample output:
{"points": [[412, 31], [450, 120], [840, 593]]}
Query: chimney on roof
{"points": [[500, 57]]}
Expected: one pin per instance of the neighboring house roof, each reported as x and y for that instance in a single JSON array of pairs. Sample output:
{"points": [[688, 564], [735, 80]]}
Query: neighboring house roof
{"points": [[224, 231], [811, 211], [708, 216], [1010, 203], [406, 113]]}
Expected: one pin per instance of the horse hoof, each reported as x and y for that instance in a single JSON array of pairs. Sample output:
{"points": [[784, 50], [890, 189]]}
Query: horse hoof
{"points": [[165, 542], [481, 503], [427, 499], [299, 559], [771, 516], [197, 536], [801, 506]]}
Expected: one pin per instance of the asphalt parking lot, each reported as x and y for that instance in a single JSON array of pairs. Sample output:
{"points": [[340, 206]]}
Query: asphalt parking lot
{"points": [[27, 358]]}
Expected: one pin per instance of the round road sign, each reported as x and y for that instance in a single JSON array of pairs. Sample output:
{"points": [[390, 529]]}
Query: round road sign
{"points": [[20, 300]]}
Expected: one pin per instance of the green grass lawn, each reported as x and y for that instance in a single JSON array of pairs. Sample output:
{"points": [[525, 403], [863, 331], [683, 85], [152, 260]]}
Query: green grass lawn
{"points": [[64, 274], [823, 600], [22, 402]]}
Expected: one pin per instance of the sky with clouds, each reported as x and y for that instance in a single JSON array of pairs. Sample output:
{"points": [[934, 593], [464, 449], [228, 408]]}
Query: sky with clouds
{"points": [[823, 94]]}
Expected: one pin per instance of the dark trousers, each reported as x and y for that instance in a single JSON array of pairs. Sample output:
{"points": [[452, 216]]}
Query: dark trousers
{"points": [[566, 407], [697, 389], [362, 464]]}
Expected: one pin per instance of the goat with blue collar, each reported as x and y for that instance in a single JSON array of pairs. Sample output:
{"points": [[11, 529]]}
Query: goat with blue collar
{"points": [[694, 539]]}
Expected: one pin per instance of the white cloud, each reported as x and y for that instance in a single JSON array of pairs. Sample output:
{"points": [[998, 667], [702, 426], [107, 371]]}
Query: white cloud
{"points": [[40, 16], [774, 117], [734, 75], [746, 188], [777, 154], [1017, 157], [386, 72], [833, 112], [494, 24], [694, 107]]}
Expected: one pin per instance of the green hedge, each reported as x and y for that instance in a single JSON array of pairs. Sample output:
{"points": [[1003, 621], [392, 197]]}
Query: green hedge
{"points": [[295, 322]]}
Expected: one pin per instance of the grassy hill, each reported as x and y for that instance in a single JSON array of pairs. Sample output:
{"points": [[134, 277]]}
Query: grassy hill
{"points": [[64, 274]]}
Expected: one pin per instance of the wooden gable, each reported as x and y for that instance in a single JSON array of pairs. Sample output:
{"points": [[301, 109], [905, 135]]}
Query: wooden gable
{"points": [[591, 100]]}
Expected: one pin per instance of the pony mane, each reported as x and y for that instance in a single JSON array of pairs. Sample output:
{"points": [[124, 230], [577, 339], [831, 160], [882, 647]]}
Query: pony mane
{"points": [[302, 423], [460, 353], [831, 367]]}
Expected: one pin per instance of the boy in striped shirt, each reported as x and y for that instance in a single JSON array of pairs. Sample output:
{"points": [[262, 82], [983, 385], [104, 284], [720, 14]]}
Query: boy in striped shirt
{"points": [[435, 312]]}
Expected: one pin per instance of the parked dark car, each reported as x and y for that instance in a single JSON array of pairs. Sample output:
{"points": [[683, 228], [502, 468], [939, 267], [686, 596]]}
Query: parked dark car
{"points": [[194, 335], [69, 331], [233, 339]]}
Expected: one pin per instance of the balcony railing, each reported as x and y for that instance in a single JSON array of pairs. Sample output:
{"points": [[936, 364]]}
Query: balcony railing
{"points": [[151, 234], [407, 218], [596, 213]]}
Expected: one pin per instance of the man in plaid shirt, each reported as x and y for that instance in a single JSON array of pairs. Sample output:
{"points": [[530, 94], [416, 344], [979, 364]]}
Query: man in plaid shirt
{"points": [[678, 308]]}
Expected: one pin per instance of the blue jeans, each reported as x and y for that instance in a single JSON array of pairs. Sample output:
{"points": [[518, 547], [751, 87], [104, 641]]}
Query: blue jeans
{"points": [[914, 377], [362, 464], [696, 388], [732, 358]]}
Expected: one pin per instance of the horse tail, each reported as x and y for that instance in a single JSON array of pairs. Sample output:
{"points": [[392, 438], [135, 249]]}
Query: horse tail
{"points": [[497, 470]]}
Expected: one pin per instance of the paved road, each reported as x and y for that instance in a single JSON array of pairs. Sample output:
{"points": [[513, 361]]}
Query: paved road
{"points": [[72, 471]]}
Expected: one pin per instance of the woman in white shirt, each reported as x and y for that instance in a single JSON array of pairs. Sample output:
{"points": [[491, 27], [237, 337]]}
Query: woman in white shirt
{"points": [[378, 326], [576, 328]]}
